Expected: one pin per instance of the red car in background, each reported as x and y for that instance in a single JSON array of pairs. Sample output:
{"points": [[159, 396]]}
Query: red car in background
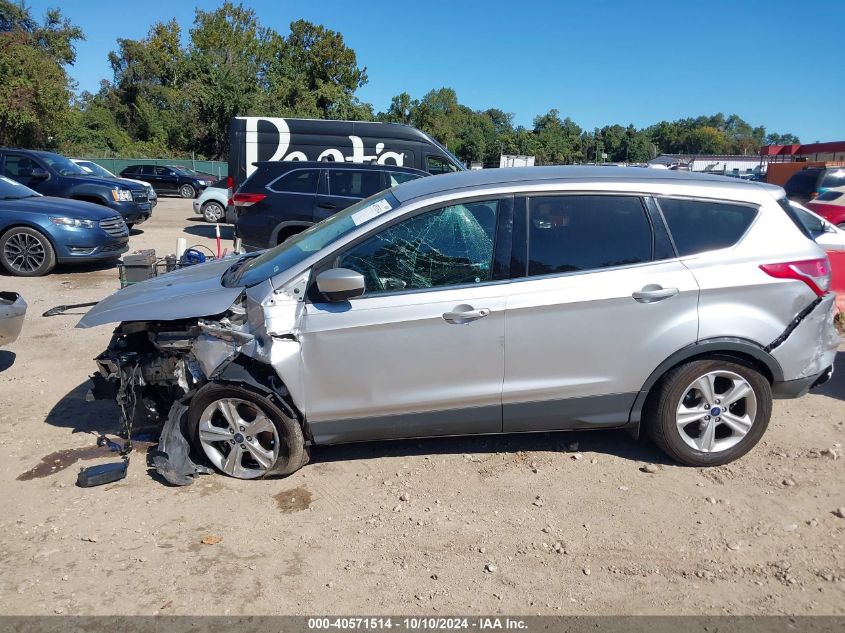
{"points": [[830, 205]]}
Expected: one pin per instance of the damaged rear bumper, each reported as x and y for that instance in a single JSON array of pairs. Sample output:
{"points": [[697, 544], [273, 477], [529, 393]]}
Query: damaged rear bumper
{"points": [[807, 353]]}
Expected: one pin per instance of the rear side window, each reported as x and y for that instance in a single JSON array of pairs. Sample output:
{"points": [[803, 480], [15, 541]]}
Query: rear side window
{"points": [[829, 196], [296, 181], [578, 233], [802, 182], [834, 178], [398, 177], [439, 165], [353, 183], [147, 170], [703, 225], [132, 169]]}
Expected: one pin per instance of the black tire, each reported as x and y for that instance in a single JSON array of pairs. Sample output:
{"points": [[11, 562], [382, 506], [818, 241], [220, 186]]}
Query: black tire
{"points": [[129, 225], [292, 454], [213, 212], [187, 191], [26, 252], [661, 410]]}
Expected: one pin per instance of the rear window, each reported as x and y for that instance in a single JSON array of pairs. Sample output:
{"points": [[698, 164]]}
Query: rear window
{"points": [[296, 181], [353, 183], [802, 182], [834, 179], [703, 225], [829, 196]]}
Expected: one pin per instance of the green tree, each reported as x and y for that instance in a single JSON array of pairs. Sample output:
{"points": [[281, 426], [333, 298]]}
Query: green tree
{"points": [[35, 89]]}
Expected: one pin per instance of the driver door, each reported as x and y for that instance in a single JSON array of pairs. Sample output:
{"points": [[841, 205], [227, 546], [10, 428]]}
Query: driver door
{"points": [[421, 353]]}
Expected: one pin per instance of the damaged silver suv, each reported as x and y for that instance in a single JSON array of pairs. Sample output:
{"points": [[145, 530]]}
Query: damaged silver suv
{"points": [[495, 301]]}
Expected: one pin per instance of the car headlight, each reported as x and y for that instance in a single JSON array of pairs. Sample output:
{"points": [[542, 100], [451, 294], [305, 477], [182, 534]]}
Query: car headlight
{"points": [[76, 223], [121, 195]]}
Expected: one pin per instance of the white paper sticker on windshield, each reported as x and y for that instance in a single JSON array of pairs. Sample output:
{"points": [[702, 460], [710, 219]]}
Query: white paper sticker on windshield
{"points": [[370, 212], [10, 181]]}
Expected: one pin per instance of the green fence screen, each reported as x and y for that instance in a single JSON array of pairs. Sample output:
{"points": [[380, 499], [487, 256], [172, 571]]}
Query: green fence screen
{"points": [[116, 165]]}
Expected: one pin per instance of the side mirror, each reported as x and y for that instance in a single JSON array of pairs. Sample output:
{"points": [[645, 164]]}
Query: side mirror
{"points": [[340, 284], [39, 173]]}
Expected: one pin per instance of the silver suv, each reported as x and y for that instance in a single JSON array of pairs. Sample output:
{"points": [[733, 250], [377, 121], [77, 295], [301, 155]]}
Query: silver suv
{"points": [[495, 301]]}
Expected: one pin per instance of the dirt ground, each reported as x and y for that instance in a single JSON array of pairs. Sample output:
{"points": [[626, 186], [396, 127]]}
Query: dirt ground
{"points": [[529, 524]]}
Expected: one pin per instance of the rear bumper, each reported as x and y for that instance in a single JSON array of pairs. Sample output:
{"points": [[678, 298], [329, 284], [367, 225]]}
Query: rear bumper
{"points": [[800, 387], [810, 348]]}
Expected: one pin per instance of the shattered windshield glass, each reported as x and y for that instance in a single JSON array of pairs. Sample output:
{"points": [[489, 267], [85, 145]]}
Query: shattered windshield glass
{"points": [[446, 247], [297, 248]]}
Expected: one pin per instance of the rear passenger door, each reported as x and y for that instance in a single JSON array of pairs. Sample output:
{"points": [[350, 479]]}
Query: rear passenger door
{"points": [[597, 302], [344, 187]]}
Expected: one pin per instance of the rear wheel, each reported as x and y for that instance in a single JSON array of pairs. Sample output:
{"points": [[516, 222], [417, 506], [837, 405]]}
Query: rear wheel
{"points": [[187, 191], [213, 212], [25, 252], [243, 434], [709, 412]]}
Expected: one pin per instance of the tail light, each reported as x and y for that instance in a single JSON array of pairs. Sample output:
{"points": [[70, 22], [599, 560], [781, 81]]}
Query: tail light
{"points": [[247, 199], [230, 187], [813, 272]]}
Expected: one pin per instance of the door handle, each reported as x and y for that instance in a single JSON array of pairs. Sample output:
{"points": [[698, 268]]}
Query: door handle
{"points": [[464, 314], [327, 205], [653, 293]]}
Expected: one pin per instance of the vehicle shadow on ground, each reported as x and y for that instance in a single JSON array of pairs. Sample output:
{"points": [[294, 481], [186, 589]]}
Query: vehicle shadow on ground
{"points": [[135, 231], [7, 359], [205, 229], [70, 269], [99, 417], [835, 387], [617, 443]]}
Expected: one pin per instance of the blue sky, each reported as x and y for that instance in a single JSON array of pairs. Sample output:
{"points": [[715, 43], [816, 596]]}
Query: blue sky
{"points": [[597, 62]]}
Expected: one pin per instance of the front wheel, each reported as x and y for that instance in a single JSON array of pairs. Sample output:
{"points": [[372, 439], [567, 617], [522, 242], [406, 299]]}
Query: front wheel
{"points": [[25, 252], [243, 434], [187, 191], [709, 412]]}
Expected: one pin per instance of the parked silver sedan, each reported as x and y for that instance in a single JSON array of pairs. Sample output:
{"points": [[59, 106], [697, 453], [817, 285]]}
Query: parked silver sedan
{"points": [[495, 301], [12, 313]]}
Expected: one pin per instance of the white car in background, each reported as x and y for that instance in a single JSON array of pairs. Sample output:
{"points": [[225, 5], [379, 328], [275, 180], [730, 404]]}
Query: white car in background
{"points": [[98, 170], [212, 202]]}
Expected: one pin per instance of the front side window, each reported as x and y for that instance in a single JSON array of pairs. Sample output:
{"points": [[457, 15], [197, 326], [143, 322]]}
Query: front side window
{"points": [[353, 183], [296, 181], [580, 233], [18, 166], [704, 225], [445, 247]]}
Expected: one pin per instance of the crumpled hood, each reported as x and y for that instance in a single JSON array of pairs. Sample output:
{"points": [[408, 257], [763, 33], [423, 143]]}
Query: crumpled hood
{"points": [[191, 292]]}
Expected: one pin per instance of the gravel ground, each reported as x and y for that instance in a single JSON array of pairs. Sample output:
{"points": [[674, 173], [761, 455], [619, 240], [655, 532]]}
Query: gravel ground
{"points": [[534, 524]]}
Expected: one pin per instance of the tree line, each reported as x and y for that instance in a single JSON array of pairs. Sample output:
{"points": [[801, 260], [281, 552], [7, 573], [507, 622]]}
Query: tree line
{"points": [[166, 99]]}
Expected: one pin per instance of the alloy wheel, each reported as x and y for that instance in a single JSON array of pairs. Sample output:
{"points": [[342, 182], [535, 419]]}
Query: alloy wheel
{"points": [[24, 253], [716, 411], [186, 191], [239, 438], [213, 212]]}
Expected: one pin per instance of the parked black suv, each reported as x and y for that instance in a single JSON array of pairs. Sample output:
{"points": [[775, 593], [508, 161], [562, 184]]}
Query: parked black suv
{"points": [[808, 183], [170, 178], [281, 199], [54, 175]]}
